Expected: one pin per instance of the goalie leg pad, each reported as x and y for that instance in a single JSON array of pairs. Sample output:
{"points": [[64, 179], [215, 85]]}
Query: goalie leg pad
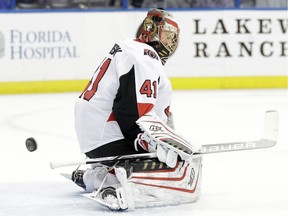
{"points": [[110, 189], [155, 186], [125, 192], [93, 178]]}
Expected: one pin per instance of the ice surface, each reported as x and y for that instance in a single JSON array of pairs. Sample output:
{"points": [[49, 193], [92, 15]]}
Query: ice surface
{"points": [[239, 183]]}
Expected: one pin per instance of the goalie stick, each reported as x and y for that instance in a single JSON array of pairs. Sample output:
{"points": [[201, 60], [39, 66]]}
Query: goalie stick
{"points": [[57, 164], [268, 140]]}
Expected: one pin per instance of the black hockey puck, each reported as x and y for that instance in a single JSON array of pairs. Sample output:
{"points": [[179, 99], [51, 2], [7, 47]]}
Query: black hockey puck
{"points": [[31, 144]]}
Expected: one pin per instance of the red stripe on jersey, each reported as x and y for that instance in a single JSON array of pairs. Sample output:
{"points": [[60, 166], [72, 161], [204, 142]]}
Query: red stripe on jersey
{"points": [[167, 111], [112, 117], [144, 108]]}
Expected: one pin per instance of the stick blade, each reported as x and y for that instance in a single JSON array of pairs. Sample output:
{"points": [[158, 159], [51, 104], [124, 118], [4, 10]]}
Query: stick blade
{"points": [[271, 125]]}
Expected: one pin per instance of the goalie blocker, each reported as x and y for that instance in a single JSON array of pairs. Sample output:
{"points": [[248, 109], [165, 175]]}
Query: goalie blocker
{"points": [[165, 141]]}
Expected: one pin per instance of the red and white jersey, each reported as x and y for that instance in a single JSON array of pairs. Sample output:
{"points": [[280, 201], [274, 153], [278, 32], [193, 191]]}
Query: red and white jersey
{"points": [[129, 83]]}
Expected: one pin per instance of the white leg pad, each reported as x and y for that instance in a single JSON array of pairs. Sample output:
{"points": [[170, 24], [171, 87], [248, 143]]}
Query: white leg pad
{"points": [[125, 194]]}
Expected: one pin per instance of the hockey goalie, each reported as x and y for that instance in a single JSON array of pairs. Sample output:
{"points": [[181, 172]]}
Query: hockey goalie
{"points": [[125, 110]]}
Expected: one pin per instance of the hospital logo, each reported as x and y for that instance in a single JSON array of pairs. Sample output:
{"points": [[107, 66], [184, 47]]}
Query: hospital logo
{"points": [[2, 45]]}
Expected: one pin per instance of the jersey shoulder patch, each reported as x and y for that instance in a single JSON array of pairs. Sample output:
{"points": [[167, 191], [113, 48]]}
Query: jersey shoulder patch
{"points": [[151, 54]]}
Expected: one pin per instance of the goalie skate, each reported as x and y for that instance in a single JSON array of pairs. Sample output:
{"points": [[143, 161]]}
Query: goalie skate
{"points": [[109, 197], [77, 178], [114, 196]]}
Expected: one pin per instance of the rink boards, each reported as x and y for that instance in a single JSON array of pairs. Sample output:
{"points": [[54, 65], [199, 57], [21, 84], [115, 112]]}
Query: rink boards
{"points": [[58, 52]]}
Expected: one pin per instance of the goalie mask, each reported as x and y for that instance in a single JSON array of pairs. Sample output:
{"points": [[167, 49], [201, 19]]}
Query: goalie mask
{"points": [[160, 31]]}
